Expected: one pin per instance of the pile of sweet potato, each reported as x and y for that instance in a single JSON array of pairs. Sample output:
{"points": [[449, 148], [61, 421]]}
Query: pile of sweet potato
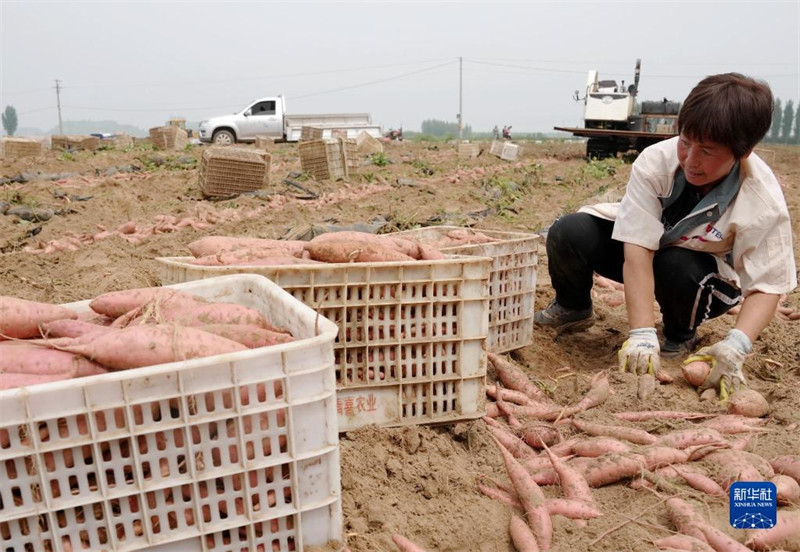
{"points": [[40, 342], [686, 465], [333, 247]]}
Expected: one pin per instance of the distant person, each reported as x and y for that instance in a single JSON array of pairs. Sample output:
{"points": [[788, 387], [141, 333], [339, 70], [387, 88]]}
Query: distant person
{"points": [[703, 226], [496, 133], [507, 132]]}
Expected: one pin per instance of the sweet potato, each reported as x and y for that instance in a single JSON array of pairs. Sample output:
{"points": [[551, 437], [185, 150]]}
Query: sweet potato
{"points": [[69, 327], [509, 441], [220, 313], [611, 468], [12, 381], [251, 337], [633, 435], [659, 415], [683, 542], [719, 540], [573, 485], [685, 518], [748, 402], [787, 488], [598, 446], [509, 395], [514, 378], [731, 424], [531, 498], [405, 545], [117, 303], [213, 245], [699, 481], [139, 346], [500, 495], [647, 385], [787, 465], [696, 372], [539, 435], [40, 361], [787, 527], [657, 456], [684, 438], [521, 535], [354, 251], [572, 509], [20, 318]]}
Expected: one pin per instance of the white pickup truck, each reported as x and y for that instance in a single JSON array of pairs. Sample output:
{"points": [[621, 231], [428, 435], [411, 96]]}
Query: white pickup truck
{"points": [[268, 117]]}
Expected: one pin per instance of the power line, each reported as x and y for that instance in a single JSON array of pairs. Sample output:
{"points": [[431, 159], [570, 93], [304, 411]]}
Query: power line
{"points": [[134, 109], [375, 81]]}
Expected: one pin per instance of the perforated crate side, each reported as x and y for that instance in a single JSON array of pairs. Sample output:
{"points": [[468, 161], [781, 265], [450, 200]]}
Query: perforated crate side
{"points": [[512, 281], [407, 330], [323, 159], [183, 456], [226, 172]]}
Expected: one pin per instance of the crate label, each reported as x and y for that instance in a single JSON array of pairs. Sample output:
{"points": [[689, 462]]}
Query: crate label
{"points": [[359, 407]]}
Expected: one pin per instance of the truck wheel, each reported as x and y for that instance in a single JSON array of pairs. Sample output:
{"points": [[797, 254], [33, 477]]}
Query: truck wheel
{"points": [[224, 138]]}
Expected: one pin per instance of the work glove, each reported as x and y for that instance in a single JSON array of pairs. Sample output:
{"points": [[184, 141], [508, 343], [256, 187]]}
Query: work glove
{"points": [[726, 358], [641, 352]]}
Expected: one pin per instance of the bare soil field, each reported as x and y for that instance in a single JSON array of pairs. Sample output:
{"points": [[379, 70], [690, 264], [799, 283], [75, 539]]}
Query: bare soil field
{"points": [[110, 213]]}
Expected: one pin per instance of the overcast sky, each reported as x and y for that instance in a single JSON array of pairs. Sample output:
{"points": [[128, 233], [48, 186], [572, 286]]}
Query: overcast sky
{"points": [[142, 62]]}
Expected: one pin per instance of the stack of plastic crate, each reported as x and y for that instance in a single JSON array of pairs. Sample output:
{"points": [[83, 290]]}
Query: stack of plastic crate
{"points": [[234, 451], [311, 133], [229, 171], [74, 142]]}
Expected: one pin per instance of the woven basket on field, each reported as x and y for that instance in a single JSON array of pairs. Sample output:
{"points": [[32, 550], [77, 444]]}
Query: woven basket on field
{"points": [[324, 159], [228, 171], [169, 138], [368, 144], [14, 148], [74, 142]]}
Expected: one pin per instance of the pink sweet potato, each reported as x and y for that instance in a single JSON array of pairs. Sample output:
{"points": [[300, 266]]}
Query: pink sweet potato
{"points": [[689, 437], [571, 508], [139, 346], [683, 542], [354, 251], [221, 313], [748, 402], [573, 484], [40, 361], [787, 465], [405, 545], [788, 527], [251, 337], [71, 328], [730, 424], [514, 378], [685, 518], [659, 415], [117, 303], [531, 498], [597, 446], [631, 434], [12, 381], [699, 480], [611, 468], [696, 372], [20, 318], [521, 535], [787, 488], [656, 456], [213, 245], [509, 441]]}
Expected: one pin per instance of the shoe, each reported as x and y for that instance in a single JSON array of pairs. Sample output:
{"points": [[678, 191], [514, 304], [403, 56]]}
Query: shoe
{"points": [[672, 349], [563, 319]]}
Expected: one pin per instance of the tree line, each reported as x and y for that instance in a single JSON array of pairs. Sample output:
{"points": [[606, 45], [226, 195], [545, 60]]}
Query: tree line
{"points": [[785, 127]]}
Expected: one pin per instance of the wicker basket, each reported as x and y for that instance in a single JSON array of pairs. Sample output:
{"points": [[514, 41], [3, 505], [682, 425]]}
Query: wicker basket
{"points": [[229, 171], [74, 142], [351, 154], [368, 144], [169, 138], [324, 159], [468, 151], [15, 148], [311, 133]]}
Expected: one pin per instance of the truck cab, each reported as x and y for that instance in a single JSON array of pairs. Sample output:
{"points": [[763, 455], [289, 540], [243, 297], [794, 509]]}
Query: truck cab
{"points": [[260, 117]]}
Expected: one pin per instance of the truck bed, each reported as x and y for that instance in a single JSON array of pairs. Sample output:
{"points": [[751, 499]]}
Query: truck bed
{"points": [[592, 132]]}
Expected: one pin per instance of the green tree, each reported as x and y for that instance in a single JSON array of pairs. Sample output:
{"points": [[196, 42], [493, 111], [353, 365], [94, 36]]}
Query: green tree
{"points": [[10, 120], [435, 127], [796, 139], [786, 124], [777, 114]]}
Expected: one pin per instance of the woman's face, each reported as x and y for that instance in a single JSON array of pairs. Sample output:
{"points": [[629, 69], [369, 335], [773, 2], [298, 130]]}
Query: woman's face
{"points": [[704, 162]]}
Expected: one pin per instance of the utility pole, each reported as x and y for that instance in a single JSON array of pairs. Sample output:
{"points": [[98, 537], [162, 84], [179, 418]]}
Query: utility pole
{"points": [[460, 108], [58, 101]]}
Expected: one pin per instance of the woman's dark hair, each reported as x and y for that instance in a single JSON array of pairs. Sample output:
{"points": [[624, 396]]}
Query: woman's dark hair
{"points": [[730, 109]]}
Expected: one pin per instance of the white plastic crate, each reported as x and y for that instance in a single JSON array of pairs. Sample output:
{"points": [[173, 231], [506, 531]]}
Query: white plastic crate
{"points": [[512, 281], [236, 452], [504, 150], [412, 335]]}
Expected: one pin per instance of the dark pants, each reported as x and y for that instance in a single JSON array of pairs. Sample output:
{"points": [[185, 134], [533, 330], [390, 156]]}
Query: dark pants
{"points": [[687, 285]]}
